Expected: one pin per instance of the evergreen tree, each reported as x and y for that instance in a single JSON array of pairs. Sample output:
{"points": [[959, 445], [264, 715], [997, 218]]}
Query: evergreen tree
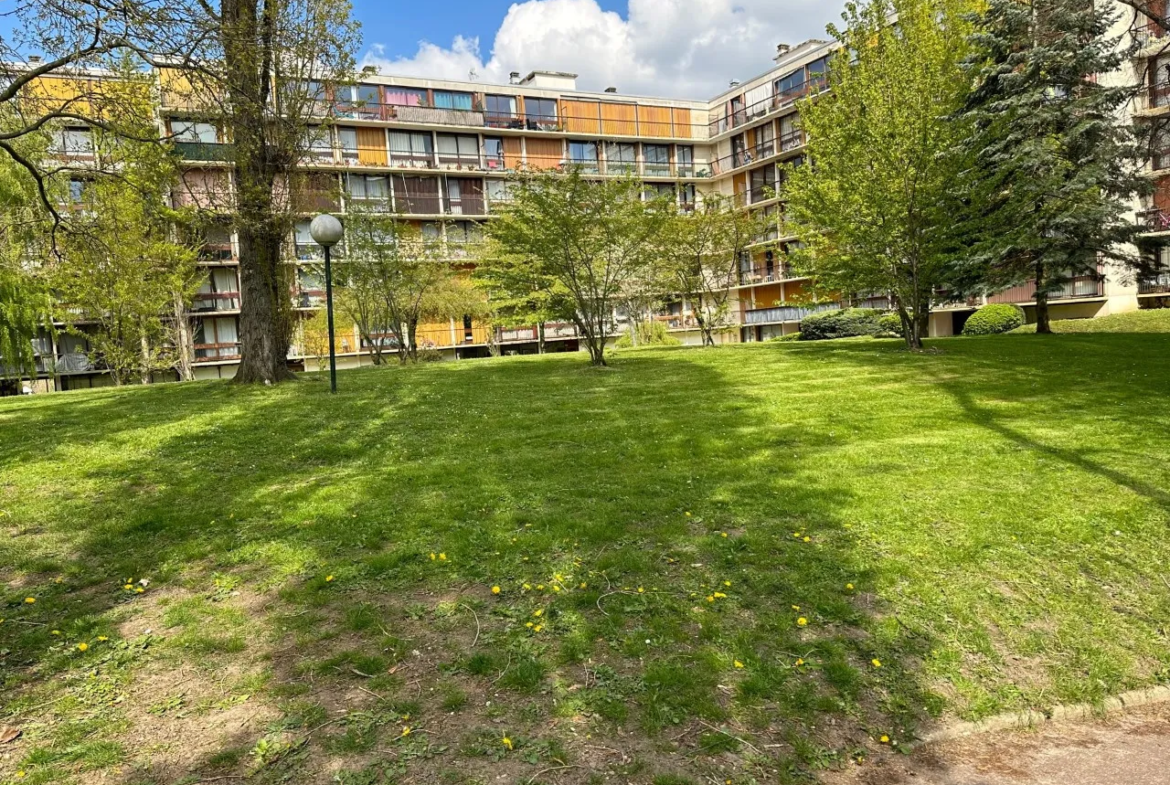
{"points": [[1054, 163]]}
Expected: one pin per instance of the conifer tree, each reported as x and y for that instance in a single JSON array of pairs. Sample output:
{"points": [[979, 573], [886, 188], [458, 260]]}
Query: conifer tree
{"points": [[1054, 163]]}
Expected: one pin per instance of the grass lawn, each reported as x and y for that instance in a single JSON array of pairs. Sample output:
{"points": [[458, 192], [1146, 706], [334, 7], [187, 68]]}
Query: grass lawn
{"points": [[741, 564], [1154, 320]]}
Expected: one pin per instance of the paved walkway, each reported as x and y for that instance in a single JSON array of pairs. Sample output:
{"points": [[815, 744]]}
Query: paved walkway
{"points": [[1129, 748]]}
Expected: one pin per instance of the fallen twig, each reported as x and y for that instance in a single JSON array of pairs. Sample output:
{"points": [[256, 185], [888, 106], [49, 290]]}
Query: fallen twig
{"points": [[476, 615]]}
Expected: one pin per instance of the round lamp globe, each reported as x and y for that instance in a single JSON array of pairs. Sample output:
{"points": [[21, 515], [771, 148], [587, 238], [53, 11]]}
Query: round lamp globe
{"points": [[326, 230]]}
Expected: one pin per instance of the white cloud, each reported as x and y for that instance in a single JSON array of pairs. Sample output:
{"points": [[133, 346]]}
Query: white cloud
{"points": [[677, 48]]}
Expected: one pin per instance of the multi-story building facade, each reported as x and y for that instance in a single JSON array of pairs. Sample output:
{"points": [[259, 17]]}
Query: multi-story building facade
{"points": [[437, 153]]}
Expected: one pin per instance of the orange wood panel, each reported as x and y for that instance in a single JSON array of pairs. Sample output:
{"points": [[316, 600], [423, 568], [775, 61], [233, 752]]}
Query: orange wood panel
{"points": [[581, 117], [682, 124], [621, 119], [654, 121], [513, 152], [1162, 194], [371, 146], [544, 153]]}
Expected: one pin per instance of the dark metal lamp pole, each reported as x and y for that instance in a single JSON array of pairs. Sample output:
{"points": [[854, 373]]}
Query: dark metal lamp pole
{"points": [[326, 231]]}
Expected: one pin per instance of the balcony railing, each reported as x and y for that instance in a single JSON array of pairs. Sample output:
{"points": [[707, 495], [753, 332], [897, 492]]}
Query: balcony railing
{"points": [[216, 252], [211, 352], [758, 275], [1147, 33], [1154, 220], [1078, 287], [466, 205], [1154, 283], [786, 313], [204, 151], [767, 106], [215, 301], [1153, 98]]}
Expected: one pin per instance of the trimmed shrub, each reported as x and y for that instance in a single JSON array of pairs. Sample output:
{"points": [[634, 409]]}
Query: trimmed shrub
{"points": [[994, 318], [789, 337], [889, 326], [839, 324]]}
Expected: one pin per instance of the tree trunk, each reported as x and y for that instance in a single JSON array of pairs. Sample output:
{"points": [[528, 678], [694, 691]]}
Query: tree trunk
{"points": [[540, 337], [264, 317], [183, 350], [146, 376], [1042, 322], [412, 339]]}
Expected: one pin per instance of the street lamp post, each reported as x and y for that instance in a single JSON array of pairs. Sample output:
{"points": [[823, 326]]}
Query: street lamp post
{"points": [[326, 231]]}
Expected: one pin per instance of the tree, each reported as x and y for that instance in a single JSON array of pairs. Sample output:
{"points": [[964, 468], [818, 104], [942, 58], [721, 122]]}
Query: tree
{"points": [[270, 73], [521, 294], [875, 208], [396, 278], [704, 249], [1054, 166], [121, 268], [587, 239]]}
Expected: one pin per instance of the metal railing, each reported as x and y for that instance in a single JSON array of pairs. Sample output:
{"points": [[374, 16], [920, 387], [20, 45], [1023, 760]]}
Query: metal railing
{"points": [[1154, 283], [786, 313], [1154, 97], [1077, 287], [766, 106], [1154, 220], [205, 302], [204, 151], [1146, 32], [211, 352]]}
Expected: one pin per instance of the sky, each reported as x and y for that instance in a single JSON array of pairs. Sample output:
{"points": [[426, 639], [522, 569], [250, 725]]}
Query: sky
{"points": [[669, 48]]}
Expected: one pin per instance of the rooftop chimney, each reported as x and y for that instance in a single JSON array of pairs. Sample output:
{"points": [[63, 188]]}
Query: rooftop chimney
{"points": [[781, 51], [611, 89], [369, 69], [514, 77], [34, 58], [733, 83]]}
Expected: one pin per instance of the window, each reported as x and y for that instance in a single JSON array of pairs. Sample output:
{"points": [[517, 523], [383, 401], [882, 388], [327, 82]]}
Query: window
{"points": [[493, 152], [686, 196], [411, 148], [739, 151], [75, 142], [763, 183], [417, 195], [216, 338], [306, 247], [656, 160], [458, 149], [365, 102], [369, 191], [445, 99], [765, 145], [738, 116], [684, 159], [464, 197], [461, 236], [319, 143], [219, 291], [789, 133], [310, 289], [76, 191], [542, 113], [500, 111], [185, 131], [584, 154], [368, 94], [497, 191], [406, 96], [818, 74], [656, 190], [790, 87], [620, 158], [349, 144]]}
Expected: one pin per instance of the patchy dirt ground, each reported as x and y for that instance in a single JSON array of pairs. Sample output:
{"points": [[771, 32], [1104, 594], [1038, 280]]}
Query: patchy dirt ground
{"points": [[1132, 748]]}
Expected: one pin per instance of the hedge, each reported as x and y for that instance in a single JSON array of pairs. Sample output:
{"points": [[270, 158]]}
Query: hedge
{"points": [[994, 318], [840, 324]]}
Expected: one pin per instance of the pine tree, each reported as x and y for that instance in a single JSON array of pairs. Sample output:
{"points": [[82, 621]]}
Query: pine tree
{"points": [[1054, 163]]}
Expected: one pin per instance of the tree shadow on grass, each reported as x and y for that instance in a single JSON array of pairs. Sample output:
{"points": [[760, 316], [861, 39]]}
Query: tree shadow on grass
{"points": [[339, 551]]}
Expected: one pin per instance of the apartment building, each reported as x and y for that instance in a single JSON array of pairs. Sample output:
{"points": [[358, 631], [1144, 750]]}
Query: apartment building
{"points": [[438, 152]]}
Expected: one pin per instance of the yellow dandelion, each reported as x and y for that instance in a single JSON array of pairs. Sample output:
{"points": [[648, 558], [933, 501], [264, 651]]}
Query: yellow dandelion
{"points": [[799, 662], [529, 625], [688, 513], [433, 557], [801, 622], [538, 628], [727, 583], [30, 600], [795, 607], [738, 664], [58, 579], [82, 646], [55, 632], [584, 585], [719, 595], [128, 587], [641, 590], [556, 588], [495, 590], [527, 586], [540, 587], [796, 535], [442, 557], [849, 586], [808, 539], [722, 534], [405, 730], [885, 739], [538, 612], [328, 578], [710, 598], [507, 742], [139, 590], [103, 638], [876, 662]]}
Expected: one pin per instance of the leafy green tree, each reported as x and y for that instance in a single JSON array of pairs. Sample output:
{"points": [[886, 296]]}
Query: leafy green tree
{"points": [[1054, 166], [703, 251], [875, 209], [585, 240], [519, 293]]}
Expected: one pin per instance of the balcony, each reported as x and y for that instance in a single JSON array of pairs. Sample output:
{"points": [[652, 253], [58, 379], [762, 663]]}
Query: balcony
{"points": [[216, 252], [209, 302], [1154, 220], [1153, 99], [786, 313], [204, 151], [1148, 34], [1154, 283], [767, 106], [759, 275], [466, 205], [1078, 287], [792, 140], [213, 352]]}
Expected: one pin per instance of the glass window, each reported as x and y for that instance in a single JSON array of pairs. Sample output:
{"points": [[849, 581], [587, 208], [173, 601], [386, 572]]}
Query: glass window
{"points": [[583, 154], [500, 105], [445, 99], [411, 146], [493, 152], [790, 87], [497, 190], [186, 131], [818, 72], [76, 190], [319, 142], [458, 147], [406, 96], [368, 94], [684, 158], [619, 157], [542, 112], [349, 145]]}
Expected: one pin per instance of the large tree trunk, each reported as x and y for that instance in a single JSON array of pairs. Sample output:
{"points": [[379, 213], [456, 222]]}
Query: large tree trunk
{"points": [[1042, 322], [264, 317]]}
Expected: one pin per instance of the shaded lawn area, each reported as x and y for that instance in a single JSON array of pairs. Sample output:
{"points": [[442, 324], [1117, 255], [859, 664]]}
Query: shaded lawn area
{"points": [[741, 564]]}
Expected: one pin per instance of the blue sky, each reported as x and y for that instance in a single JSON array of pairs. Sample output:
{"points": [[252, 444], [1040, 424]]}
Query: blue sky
{"points": [[675, 48]]}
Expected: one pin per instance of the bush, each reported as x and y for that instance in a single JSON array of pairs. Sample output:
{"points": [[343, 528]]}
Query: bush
{"points": [[994, 318], [649, 334], [889, 326], [789, 337], [839, 324]]}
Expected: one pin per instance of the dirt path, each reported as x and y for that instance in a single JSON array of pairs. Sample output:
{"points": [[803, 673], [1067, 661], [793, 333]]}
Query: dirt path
{"points": [[1131, 748]]}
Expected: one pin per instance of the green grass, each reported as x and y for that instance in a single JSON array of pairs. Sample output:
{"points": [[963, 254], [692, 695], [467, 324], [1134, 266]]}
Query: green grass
{"points": [[701, 554], [1154, 320]]}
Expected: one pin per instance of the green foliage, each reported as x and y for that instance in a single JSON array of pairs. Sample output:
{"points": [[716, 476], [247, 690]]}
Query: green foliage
{"points": [[876, 212], [994, 318], [890, 326], [1055, 162], [575, 246], [793, 336], [651, 333], [845, 323]]}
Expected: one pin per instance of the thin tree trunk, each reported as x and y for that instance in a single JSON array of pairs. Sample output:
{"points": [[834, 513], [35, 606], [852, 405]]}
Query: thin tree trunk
{"points": [[146, 378], [184, 349], [412, 339], [540, 337]]}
